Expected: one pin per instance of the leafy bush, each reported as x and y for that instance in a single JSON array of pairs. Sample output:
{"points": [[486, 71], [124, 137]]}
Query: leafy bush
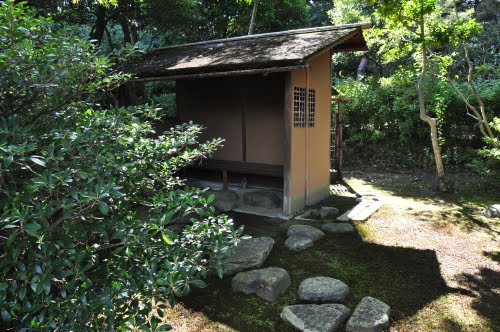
{"points": [[382, 122], [97, 231], [167, 103]]}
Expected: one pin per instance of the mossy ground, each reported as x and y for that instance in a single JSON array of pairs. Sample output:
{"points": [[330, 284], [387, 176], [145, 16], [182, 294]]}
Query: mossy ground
{"points": [[432, 258]]}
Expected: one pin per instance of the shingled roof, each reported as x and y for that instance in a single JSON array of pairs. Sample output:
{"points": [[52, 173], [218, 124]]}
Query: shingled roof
{"points": [[265, 52]]}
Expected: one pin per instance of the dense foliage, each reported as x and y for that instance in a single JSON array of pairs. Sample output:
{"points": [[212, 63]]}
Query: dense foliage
{"points": [[97, 230], [382, 122]]}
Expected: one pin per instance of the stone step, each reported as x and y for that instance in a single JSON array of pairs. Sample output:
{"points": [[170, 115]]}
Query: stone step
{"points": [[269, 283], [361, 212], [371, 315], [315, 317], [248, 254]]}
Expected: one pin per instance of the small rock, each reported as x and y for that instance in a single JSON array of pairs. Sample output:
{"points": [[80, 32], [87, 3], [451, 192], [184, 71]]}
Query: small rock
{"points": [[371, 315], [314, 317], [268, 283], [492, 211], [305, 231], [248, 254], [298, 243], [338, 228], [327, 211], [323, 289]]}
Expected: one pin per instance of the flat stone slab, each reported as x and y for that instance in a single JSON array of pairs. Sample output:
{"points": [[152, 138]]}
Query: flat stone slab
{"points": [[323, 289], [337, 228], [361, 212], [305, 231], [248, 254], [371, 315], [492, 211], [298, 243], [269, 283], [315, 317]]}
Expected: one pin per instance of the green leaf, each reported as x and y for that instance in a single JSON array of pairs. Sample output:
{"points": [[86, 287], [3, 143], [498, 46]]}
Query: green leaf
{"points": [[165, 238], [103, 207], [32, 228], [5, 315], [164, 327], [199, 283], [38, 161], [220, 271], [167, 217], [22, 292], [186, 289], [7, 161], [210, 199]]}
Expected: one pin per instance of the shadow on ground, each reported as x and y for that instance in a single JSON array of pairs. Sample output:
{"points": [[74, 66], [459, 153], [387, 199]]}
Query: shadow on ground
{"points": [[461, 208], [407, 279], [486, 288]]}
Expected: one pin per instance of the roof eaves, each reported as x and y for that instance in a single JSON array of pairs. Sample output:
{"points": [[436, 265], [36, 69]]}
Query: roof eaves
{"points": [[361, 25], [333, 44]]}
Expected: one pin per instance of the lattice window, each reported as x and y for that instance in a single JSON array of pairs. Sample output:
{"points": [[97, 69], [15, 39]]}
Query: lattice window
{"points": [[311, 104], [299, 107]]}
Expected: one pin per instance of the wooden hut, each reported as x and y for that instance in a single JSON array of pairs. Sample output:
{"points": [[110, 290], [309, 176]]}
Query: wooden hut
{"points": [[267, 95]]}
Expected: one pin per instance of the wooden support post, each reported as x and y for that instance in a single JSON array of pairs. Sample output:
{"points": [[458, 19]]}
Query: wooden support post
{"points": [[338, 140], [225, 182], [287, 146]]}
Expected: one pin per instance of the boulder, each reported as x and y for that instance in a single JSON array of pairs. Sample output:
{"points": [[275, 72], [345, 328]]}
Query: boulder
{"points": [[328, 211], [492, 211], [336, 228], [269, 283], [371, 315], [315, 317], [323, 289], [305, 231], [298, 243], [248, 254], [224, 200], [262, 199]]}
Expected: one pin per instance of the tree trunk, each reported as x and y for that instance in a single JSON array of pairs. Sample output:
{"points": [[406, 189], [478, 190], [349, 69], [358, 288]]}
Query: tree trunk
{"points": [[126, 31], [100, 25], [254, 14], [441, 181], [109, 39], [362, 68]]}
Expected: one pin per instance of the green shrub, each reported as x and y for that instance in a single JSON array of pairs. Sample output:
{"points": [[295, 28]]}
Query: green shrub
{"points": [[97, 231], [167, 102]]}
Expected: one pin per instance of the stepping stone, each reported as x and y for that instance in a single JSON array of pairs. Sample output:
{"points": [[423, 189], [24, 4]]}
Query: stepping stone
{"points": [[327, 211], [371, 315], [315, 317], [298, 243], [323, 289], [492, 211], [336, 228], [248, 254], [269, 283], [361, 212], [305, 231]]}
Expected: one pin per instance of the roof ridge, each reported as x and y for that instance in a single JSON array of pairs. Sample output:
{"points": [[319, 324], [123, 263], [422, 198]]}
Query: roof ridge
{"points": [[362, 25]]}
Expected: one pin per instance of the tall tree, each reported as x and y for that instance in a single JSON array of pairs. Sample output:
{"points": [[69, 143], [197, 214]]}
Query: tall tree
{"points": [[252, 19]]}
